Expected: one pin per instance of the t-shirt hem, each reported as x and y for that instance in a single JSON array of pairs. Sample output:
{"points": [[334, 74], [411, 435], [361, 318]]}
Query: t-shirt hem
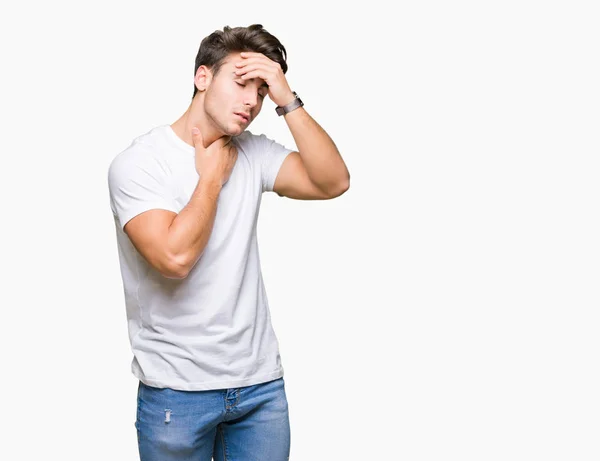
{"points": [[211, 385], [128, 215]]}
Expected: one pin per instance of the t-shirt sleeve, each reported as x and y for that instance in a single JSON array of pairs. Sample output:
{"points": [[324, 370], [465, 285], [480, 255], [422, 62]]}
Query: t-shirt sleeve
{"points": [[272, 154], [138, 183]]}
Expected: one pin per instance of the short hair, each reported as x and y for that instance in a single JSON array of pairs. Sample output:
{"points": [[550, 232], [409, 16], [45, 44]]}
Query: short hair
{"points": [[215, 47]]}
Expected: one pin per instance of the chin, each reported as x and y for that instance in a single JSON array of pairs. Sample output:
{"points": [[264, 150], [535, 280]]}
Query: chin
{"points": [[237, 130]]}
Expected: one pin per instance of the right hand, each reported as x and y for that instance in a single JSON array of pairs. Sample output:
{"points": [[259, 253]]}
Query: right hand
{"points": [[217, 160]]}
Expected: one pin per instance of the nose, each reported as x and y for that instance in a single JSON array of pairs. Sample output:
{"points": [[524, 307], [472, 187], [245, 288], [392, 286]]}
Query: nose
{"points": [[250, 98]]}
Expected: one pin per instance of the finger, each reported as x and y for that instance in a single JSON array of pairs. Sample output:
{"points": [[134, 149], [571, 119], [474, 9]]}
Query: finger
{"points": [[247, 61], [258, 66], [259, 72], [252, 67], [249, 54], [256, 74], [197, 136]]}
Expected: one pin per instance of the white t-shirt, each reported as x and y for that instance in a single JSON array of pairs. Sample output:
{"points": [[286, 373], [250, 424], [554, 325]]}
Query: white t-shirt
{"points": [[212, 329]]}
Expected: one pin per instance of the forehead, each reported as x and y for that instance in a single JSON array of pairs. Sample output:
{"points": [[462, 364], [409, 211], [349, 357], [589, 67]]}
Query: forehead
{"points": [[230, 68], [232, 58]]}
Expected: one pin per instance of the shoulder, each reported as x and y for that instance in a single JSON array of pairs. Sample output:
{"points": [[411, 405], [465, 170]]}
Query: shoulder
{"points": [[139, 157], [135, 154], [251, 142]]}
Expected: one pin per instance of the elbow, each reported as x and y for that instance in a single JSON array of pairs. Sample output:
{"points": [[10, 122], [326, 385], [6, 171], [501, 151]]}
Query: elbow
{"points": [[175, 274], [344, 186], [340, 188], [175, 268]]}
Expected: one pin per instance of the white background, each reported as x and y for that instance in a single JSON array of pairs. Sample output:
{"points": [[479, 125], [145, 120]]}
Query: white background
{"points": [[445, 307]]}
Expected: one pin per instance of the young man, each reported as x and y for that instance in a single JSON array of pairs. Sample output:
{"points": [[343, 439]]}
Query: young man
{"points": [[185, 199]]}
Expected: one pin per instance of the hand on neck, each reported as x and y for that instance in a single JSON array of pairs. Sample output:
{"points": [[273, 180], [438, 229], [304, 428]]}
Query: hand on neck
{"points": [[195, 116]]}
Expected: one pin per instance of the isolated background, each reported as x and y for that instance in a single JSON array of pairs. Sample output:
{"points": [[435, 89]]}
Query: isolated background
{"points": [[445, 307]]}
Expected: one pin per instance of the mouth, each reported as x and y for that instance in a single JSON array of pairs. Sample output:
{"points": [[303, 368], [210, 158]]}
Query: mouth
{"points": [[242, 116]]}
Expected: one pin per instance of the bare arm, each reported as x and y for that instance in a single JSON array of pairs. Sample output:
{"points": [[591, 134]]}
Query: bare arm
{"points": [[318, 164], [172, 243], [316, 170]]}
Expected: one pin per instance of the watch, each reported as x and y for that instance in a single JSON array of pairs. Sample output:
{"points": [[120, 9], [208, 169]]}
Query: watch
{"points": [[282, 110]]}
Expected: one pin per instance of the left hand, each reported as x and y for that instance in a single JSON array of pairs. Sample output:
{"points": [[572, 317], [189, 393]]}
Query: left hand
{"points": [[257, 65]]}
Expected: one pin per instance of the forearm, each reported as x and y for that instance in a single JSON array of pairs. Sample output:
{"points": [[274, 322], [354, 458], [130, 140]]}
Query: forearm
{"points": [[320, 156], [190, 230]]}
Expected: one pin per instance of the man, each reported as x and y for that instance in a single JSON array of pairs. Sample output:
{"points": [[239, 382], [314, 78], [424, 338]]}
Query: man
{"points": [[185, 199]]}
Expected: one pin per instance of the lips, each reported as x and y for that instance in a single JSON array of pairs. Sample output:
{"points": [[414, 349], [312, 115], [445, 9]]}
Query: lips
{"points": [[244, 116]]}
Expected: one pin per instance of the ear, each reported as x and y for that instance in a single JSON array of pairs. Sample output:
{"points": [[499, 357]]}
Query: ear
{"points": [[202, 78]]}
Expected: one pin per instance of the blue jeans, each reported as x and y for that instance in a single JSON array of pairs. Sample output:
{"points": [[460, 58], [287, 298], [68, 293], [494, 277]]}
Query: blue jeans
{"points": [[242, 424]]}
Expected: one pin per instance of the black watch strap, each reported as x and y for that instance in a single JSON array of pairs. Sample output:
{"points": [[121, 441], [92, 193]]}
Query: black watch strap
{"points": [[282, 110]]}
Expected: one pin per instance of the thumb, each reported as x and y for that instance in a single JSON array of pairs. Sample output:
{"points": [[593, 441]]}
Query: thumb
{"points": [[196, 136]]}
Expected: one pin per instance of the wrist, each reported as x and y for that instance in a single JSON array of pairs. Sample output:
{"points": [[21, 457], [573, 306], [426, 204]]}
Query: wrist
{"points": [[288, 99], [210, 182], [289, 107]]}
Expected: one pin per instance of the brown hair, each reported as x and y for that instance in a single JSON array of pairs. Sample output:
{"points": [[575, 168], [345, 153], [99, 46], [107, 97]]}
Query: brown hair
{"points": [[215, 47]]}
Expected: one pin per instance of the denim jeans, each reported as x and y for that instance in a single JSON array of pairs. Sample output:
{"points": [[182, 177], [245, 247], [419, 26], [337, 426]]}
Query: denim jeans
{"points": [[240, 424]]}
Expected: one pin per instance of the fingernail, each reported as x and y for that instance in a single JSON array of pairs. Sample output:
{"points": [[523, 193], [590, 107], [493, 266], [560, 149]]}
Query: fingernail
{"points": [[195, 130]]}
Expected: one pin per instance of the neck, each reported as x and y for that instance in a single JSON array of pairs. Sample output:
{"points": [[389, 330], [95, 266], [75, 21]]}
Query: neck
{"points": [[195, 116]]}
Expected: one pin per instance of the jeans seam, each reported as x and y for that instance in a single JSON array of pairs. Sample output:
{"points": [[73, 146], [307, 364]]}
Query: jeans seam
{"points": [[224, 443], [137, 415]]}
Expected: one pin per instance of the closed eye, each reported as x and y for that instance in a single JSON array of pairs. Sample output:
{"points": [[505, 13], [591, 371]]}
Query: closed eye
{"points": [[260, 94]]}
